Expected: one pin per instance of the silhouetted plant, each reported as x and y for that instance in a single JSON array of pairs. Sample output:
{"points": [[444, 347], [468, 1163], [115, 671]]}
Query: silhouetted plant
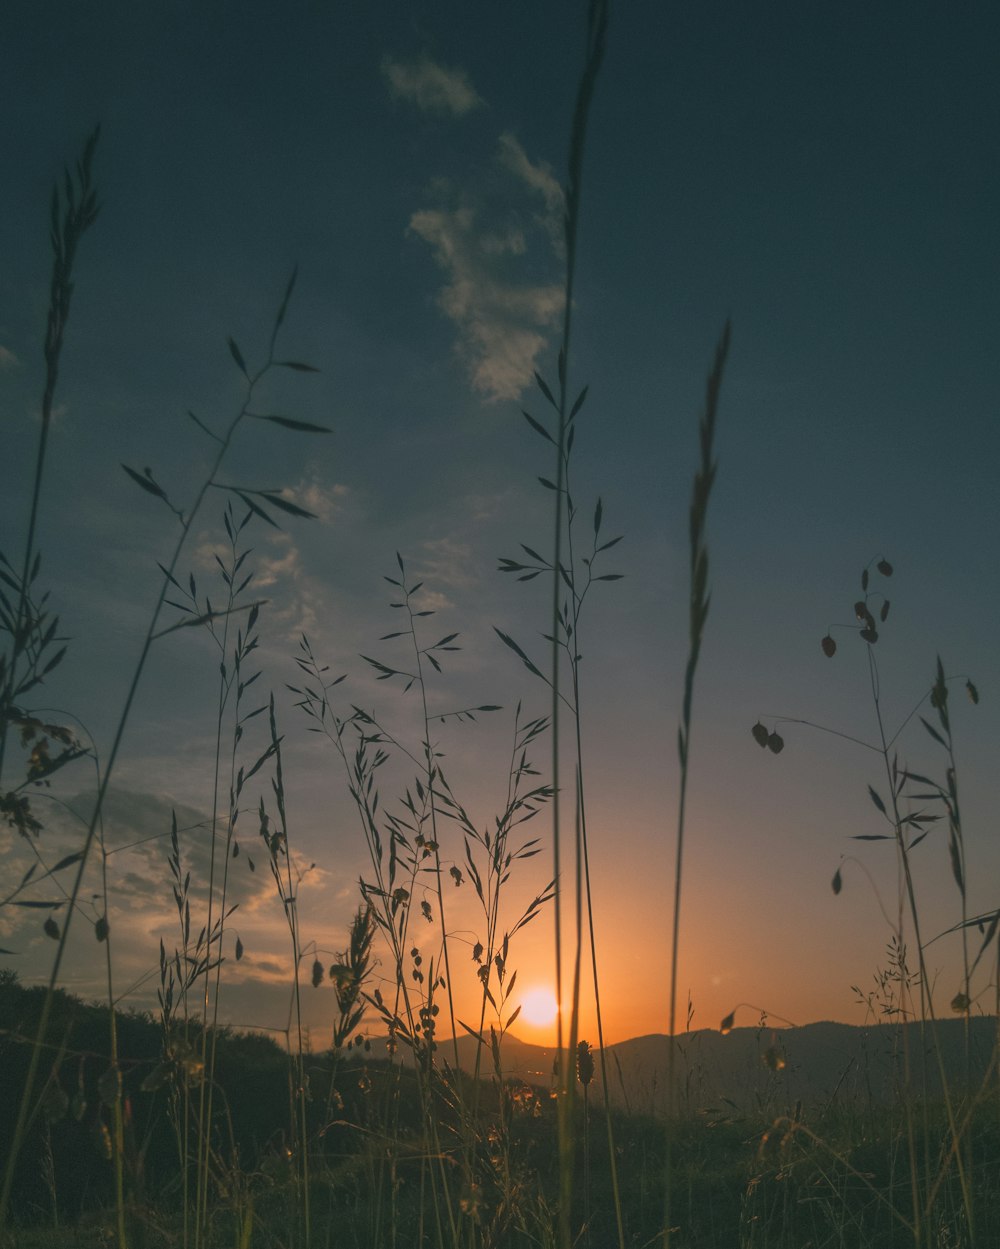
{"points": [[906, 828]]}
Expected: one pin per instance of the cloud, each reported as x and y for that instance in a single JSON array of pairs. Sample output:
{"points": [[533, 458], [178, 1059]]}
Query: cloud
{"points": [[500, 321], [267, 966], [137, 829], [482, 507], [325, 502], [511, 243], [507, 357], [538, 177], [208, 553], [294, 607], [7, 359], [485, 238], [285, 564], [141, 907], [446, 562], [540, 180], [293, 600], [431, 87]]}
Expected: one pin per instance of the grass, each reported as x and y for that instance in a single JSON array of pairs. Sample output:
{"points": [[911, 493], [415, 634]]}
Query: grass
{"points": [[174, 1131], [755, 1174], [910, 804]]}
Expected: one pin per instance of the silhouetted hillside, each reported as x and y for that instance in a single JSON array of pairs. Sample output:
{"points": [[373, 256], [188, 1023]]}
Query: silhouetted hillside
{"points": [[754, 1069]]}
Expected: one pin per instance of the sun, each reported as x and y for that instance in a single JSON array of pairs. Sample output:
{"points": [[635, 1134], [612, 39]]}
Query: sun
{"points": [[539, 1007]]}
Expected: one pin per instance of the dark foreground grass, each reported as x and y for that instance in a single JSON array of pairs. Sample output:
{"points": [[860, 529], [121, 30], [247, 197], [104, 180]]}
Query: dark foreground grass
{"points": [[833, 1174], [174, 1133]]}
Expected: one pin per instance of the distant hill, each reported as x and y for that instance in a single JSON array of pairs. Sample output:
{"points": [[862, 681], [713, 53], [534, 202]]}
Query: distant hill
{"points": [[764, 1069]]}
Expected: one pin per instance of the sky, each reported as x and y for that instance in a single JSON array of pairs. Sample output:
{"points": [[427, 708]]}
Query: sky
{"points": [[824, 176]]}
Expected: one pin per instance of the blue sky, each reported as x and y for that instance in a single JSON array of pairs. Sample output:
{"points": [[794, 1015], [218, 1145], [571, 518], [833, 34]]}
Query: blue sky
{"points": [[826, 177]]}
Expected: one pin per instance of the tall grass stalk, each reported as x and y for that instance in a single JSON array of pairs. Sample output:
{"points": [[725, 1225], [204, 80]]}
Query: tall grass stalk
{"points": [[279, 849], [233, 682], [908, 828], [697, 616], [569, 590], [398, 857], [103, 934], [77, 217], [597, 22], [70, 217]]}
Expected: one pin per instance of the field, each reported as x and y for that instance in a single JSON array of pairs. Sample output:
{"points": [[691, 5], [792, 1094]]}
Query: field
{"points": [[417, 1113]]}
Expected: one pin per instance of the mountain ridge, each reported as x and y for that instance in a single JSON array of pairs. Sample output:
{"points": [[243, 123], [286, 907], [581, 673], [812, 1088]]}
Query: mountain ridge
{"points": [[754, 1067]]}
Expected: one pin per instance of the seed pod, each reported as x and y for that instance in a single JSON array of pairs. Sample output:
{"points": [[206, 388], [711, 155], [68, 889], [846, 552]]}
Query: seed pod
{"points": [[584, 1063]]}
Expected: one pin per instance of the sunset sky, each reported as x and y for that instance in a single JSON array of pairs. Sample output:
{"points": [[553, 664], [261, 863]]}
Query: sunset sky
{"points": [[825, 176]]}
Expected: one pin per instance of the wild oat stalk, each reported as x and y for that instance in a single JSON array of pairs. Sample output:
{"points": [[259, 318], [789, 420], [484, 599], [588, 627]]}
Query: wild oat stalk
{"points": [[697, 616], [71, 216], [288, 883], [563, 639], [234, 681], [423, 655], [35, 649], [401, 847], [489, 860], [906, 829], [255, 500], [597, 23]]}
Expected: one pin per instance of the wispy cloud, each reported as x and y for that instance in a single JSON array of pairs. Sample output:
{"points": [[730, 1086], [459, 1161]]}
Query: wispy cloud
{"points": [[482, 234], [443, 565], [7, 359], [141, 905], [431, 87], [539, 180], [502, 321], [284, 564], [294, 597], [481, 507], [539, 177], [447, 562], [141, 908], [325, 502]]}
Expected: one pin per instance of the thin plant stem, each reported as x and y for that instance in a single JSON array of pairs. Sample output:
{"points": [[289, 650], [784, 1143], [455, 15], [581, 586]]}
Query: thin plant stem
{"points": [[292, 915], [597, 20], [118, 1126], [152, 633], [571, 644], [698, 613], [70, 220], [922, 1224]]}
